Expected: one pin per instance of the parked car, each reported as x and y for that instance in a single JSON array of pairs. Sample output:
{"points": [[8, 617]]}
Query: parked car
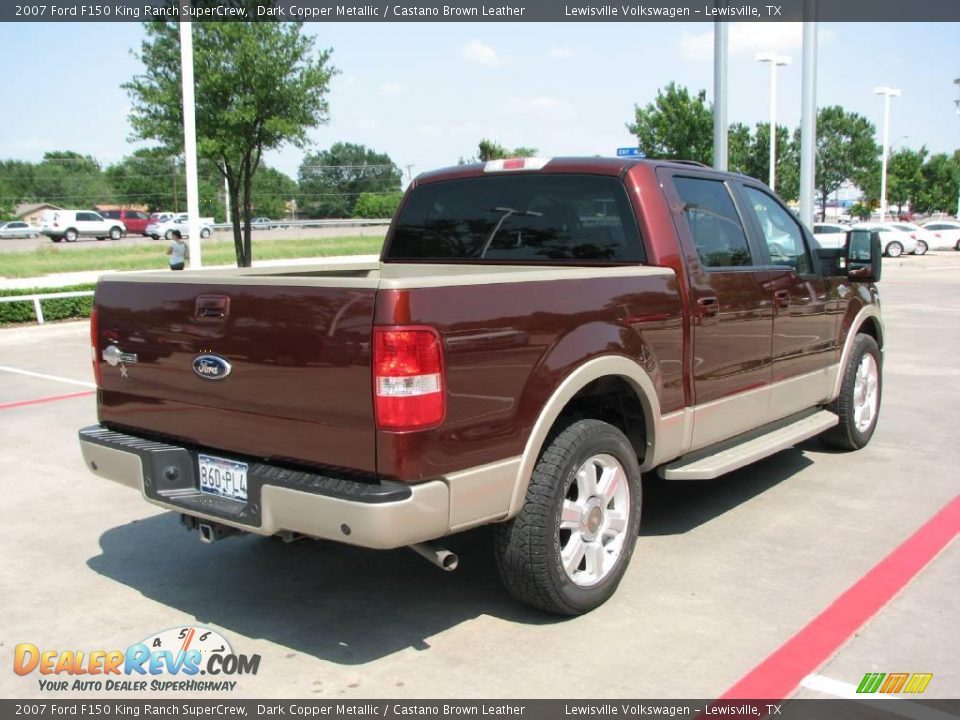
{"points": [[70, 225], [263, 223], [164, 228], [515, 358], [134, 220], [946, 233], [17, 229], [925, 238], [830, 235], [894, 242]]}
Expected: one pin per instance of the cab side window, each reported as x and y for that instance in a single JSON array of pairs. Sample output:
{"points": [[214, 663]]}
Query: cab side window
{"points": [[781, 232], [714, 223]]}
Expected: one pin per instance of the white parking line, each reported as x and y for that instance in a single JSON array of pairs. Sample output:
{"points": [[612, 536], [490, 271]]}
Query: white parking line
{"points": [[44, 376], [904, 708]]}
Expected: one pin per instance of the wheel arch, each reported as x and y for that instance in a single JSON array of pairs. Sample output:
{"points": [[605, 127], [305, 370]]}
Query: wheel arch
{"points": [[616, 370], [867, 321]]}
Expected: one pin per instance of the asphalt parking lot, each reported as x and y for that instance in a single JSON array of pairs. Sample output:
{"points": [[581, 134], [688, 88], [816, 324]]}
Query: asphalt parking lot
{"points": [[725, 572]]}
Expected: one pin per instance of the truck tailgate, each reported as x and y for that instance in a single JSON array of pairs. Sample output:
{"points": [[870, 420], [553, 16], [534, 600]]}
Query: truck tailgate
{"points": [[299, 383]]}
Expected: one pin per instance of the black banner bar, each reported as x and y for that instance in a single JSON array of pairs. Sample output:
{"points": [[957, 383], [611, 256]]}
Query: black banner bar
{"points": [[625, 11], [106, 707]]}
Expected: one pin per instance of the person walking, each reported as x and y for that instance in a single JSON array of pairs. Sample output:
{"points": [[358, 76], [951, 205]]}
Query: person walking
{"points": [[178, 251]]}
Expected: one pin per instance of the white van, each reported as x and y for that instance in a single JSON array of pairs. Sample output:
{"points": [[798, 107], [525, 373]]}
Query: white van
{"points": [[70, 225]]}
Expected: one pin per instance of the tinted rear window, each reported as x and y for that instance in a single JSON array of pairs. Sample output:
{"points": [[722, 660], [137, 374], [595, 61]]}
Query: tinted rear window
{"points": [[519, 218]]}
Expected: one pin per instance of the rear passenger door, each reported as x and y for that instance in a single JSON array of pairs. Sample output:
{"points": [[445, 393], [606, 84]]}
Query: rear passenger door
{"points": [[804, 351], [732, 321]]}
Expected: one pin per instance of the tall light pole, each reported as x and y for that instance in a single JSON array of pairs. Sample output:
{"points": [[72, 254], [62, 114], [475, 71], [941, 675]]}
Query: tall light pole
{"points": [[887, 92], [808, 115], [775, 61], [957, 103]]}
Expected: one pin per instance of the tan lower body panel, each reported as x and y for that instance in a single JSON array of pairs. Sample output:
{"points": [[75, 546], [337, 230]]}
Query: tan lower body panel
{"points": [[425, 515], [727, 458]]}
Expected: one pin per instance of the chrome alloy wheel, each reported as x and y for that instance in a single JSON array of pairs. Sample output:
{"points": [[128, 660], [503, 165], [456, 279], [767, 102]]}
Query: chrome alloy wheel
{"points": [[593, 520], [866, 393]]}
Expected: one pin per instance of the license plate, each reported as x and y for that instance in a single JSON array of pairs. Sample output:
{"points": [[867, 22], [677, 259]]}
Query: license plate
{"points": [[226, 478]]}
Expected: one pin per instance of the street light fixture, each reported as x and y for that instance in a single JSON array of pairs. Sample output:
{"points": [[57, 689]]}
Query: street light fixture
{"points": [[775, 61], [887, 92]]}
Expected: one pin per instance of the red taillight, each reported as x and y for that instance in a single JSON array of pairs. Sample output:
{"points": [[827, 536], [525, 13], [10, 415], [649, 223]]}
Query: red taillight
{"points": [[408, 383], [94, 337]]}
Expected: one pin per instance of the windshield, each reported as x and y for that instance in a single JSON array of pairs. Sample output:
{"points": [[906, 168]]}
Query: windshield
{"points": [[537, 218]]}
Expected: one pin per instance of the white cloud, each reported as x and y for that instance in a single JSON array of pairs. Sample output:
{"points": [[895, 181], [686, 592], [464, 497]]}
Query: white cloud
{"points": [[392, 89], [560, 53], [750, 38], [477, 52]]}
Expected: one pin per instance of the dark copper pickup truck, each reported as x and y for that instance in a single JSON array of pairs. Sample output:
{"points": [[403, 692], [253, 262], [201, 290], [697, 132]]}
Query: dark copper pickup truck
{"points": [[536, 335]]}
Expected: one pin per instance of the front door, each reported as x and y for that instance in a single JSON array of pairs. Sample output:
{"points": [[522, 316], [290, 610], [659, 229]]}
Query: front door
{"points": [[804, 350]]}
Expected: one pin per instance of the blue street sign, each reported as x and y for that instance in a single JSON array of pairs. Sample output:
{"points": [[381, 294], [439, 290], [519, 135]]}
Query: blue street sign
{"points": [[630, 152]]}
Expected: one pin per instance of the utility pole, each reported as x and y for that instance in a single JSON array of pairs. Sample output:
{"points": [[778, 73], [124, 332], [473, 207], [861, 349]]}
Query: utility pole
{"points": [[190, 137], [720, 127], [808, 117], [887, 92]]}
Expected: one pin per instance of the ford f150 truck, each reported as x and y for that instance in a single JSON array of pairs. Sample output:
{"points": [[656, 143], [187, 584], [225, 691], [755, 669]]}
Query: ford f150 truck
{"points": [[536, 336]]}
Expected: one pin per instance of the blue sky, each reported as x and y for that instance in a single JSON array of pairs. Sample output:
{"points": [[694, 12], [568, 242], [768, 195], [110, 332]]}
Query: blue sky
{"points": [[426, 93]]}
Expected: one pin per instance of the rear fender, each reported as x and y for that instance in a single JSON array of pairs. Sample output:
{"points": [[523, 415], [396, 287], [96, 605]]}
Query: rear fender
{"points": [[558, 363]]}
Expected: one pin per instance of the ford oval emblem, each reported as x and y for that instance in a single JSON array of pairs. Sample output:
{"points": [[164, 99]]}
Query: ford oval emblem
{"points": [[211, 367]]}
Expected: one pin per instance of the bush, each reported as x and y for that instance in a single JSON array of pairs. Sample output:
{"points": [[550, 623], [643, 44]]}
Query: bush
{"points": [[376, 205], [53, 309]]}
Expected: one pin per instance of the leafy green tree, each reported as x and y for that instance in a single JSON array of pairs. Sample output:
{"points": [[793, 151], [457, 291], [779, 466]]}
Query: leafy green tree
{"points": [[272, 191], [904, 176], [492, 150], [749, 153], [370, 205], [332, 180], [846, 150], [676, 125], [152, 177], [939, 186], [258, 86]]}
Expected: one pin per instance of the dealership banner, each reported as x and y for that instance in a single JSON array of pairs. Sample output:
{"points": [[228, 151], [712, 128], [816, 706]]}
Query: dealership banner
{"points": [[482, 11], [105, 707]]}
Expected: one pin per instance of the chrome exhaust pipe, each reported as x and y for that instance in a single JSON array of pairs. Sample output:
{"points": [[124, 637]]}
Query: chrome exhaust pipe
{"points": [[441, 557], [207, 533]]}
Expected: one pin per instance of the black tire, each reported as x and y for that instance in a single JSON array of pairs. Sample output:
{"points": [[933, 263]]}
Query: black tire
{"points": [[957, 246], [528, 548], [893, 249], [846, 435], [921, 248], [71, 235], [205, 233], [115, 233], [168, 235], [56, 238]]}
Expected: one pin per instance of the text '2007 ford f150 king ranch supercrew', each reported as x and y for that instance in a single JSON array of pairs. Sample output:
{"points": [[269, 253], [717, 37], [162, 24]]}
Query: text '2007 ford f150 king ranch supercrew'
{"points": [[537, 334]]}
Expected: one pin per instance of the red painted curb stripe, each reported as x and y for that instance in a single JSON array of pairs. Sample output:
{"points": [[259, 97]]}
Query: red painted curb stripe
{"points": [[780, 674], [52, 398]]}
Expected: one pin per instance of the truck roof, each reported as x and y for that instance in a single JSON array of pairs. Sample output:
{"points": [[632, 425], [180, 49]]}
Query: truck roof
{"points": [[588, 165]]}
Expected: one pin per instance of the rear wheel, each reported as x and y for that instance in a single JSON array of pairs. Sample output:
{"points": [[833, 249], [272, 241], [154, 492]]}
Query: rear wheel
{"points": [[893, 249], [56, 238], [858, 404], [571, 543], [71, 235], [205, 233], [168, 235], [921, 248]]}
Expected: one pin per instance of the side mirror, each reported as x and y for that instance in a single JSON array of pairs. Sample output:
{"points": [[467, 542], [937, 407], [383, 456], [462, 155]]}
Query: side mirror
{"points": [[863, 255]]}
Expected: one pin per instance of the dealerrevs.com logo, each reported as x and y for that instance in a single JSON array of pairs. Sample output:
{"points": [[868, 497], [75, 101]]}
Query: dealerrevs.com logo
{"points": [[181, 659]]}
